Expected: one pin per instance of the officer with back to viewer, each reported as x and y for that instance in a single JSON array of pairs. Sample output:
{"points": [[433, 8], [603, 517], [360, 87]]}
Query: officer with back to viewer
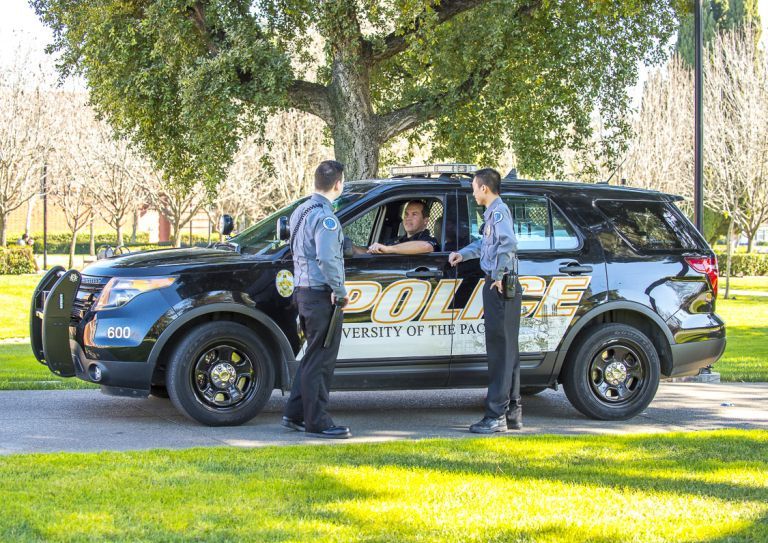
{"points": [[496, 250], [318, 263]]}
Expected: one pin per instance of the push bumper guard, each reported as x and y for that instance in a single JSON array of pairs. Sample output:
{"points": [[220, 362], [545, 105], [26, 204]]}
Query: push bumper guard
{"points": [[50, 317]]}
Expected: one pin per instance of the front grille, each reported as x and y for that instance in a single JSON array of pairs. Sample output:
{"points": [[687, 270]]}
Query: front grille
{"points": [[87, 294]]}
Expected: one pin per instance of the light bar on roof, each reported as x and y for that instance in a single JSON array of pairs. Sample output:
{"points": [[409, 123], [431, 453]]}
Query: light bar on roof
{"points": [[427, 169]]}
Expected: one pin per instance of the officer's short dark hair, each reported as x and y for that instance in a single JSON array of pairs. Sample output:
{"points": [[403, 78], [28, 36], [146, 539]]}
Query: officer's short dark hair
{"points": [[327, 174], [490, 178], [422, 203]]}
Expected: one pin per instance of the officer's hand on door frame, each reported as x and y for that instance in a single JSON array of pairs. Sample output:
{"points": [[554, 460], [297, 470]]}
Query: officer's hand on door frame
{"points": [[454, 259], [342, 301]]}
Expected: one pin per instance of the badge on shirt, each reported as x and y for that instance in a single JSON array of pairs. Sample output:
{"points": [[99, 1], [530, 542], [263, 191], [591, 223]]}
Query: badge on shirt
{"points": [[329, 223], [497, 216]]}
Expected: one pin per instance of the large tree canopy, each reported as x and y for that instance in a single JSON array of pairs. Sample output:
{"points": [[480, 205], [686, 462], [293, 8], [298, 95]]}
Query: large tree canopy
{"points": [[187, 79]]}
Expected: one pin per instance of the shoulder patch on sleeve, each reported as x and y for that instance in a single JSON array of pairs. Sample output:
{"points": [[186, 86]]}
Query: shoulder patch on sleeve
{"points": [[329, 223], [497, 217]]}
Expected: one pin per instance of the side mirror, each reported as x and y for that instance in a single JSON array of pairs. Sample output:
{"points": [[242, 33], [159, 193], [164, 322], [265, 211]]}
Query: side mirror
{"points": [[226, 225], [283, 230]]}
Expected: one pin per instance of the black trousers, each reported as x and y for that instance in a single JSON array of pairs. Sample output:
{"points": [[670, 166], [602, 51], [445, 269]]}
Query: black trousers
{"points": [[502, 326], [309, 394]]}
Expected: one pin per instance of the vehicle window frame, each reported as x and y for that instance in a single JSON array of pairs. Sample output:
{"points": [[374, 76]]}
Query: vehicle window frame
{"points": [[637, 250], [441, 196], [550, 206]]}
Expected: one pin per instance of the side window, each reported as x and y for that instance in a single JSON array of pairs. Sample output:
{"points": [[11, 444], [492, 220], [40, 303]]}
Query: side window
{"points": [[648, 226], [531, 221], [534, 228], [360, 230], [562, 232]]}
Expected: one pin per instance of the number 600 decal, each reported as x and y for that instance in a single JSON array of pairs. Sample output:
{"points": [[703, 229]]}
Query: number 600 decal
{"points": [[118, 332]]}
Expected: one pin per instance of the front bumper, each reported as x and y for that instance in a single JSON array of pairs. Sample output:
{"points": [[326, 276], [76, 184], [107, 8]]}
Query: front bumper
{"points": [[74, 343]]}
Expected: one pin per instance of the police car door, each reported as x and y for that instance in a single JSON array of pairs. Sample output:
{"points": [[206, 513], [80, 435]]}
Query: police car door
{"points": [[395, 331], [554, 274]]}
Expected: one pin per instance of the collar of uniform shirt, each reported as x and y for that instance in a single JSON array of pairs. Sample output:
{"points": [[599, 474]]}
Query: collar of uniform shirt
{"points": [[489, 210], [317, 197]]}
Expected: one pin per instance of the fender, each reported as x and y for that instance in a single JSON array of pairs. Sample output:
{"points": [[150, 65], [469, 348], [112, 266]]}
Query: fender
{"points": [[588, 317], [286, 352]]}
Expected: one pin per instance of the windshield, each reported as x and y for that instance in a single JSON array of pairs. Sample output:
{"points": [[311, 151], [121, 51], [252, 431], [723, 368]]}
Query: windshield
{"points": [[261, 238]]}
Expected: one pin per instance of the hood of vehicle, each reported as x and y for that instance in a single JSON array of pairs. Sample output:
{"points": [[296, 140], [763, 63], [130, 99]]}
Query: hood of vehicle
{"points": [[168, 261]]}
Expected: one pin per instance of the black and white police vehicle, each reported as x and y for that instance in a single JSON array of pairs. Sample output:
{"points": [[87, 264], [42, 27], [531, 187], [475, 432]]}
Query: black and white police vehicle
{"points": [[619, 291]]}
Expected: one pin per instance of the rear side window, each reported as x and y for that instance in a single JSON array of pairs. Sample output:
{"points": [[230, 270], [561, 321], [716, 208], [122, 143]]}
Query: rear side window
{"points": [[649, 226]]}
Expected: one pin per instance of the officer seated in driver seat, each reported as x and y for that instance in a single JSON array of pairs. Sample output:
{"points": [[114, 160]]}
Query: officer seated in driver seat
{"points": [[417, 239]]}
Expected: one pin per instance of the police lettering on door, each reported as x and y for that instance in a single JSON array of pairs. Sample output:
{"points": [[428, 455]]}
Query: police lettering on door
{"points": [[415, 317]]}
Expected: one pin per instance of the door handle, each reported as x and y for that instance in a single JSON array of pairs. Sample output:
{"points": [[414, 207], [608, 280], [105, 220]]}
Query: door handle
{"points": [[424, 273], [574, 268]]}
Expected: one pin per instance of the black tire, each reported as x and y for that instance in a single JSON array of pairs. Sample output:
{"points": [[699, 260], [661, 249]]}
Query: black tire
{"points": [[613, 373], [531, 391], [203, 358]]}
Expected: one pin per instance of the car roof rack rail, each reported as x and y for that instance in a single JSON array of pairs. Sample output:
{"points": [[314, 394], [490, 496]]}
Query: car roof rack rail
{"points": [[430, 171]]}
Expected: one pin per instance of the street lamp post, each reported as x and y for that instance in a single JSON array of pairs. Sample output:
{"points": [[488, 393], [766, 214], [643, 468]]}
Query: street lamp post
{"points": [[698, 174]]}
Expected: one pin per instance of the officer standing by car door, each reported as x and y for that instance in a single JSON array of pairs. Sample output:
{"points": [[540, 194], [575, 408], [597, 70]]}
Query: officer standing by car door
{"points": [[318, 263], [497, 252]]}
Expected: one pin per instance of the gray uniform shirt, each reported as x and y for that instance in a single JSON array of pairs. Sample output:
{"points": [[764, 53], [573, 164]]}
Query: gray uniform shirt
{"points": [[498, 245], [317, 247]]}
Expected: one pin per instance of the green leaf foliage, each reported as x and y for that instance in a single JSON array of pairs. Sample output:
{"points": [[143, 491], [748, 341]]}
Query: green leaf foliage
{"points": [[188, 79]]}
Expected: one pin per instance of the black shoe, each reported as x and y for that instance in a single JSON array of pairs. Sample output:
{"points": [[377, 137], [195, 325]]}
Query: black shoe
{"points": [[489, 425], [515, 417], [293, 424], [334, 432]]}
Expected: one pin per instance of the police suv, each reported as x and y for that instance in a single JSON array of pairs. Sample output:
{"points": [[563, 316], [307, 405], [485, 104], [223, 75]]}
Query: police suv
{"points": [[619, 291]]}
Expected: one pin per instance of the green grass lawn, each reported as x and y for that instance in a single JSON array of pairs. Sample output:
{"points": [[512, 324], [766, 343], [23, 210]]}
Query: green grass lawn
{"points": [[745, 283], [20, 370], [15, 298], [746, 353], [693, 487]]}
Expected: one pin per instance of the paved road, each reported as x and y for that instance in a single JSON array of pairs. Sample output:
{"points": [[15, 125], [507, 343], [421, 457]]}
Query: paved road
{"points": [[86, 420]]}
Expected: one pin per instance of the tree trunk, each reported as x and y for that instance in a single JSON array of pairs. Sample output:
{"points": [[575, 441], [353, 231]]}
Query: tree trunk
{"points": [[119, 233], [355, 132], [92, 240], [72, 245], [728, 257], [750, 240], [135, 227], [3, 233], [177, 233], [30, 209]]}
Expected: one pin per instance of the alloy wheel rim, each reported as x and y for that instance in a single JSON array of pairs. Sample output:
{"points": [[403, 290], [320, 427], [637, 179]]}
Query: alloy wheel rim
{"points": [[617, 373], [224, 376]]}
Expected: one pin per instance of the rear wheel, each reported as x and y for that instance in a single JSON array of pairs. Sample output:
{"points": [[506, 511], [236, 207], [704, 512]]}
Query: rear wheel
{"points": [[221, 374], [613, 373]]}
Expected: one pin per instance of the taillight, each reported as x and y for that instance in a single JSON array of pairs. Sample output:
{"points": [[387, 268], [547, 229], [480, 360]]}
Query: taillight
{"points": [[706, 265]]}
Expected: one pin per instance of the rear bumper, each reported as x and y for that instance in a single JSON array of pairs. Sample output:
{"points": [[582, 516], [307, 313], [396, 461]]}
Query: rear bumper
{"points": [[689, 358]]}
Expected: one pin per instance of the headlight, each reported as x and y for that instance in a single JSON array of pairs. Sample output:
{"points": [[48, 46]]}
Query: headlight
{"points": [[121, 290]]}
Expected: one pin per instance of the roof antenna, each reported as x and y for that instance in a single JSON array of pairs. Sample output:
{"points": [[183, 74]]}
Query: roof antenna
{"points": [[614, 172]]}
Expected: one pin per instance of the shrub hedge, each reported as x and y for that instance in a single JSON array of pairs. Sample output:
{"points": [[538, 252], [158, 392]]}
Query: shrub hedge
{"points": [[15, 260], [744, 264]]}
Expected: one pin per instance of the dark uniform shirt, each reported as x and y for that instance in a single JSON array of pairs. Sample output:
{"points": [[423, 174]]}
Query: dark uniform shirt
{"points": [[424, 235]]}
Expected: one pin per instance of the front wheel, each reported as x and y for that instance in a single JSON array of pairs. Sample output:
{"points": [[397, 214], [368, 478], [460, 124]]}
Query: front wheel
{"points": [[613, 374], [221, 374]]}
